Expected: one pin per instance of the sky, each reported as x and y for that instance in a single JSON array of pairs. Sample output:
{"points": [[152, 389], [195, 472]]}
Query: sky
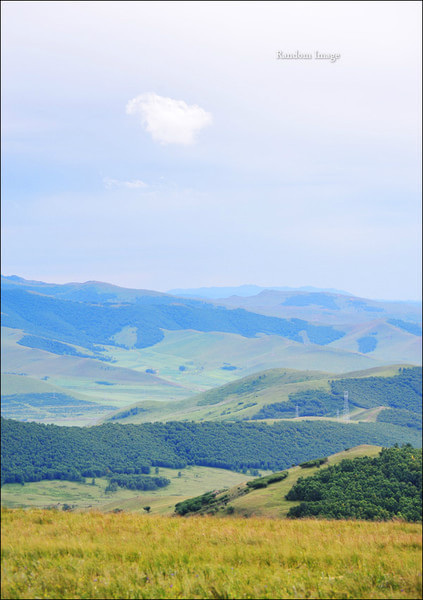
{"points": [[163, 145]]}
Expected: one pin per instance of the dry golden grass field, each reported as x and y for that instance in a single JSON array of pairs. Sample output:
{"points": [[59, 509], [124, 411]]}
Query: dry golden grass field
{"points": [[56, 554]]}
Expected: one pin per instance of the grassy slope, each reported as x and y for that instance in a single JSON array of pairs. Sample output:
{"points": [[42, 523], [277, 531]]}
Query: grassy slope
{"points": [[49, 412], [204, 355], [78, 377], [234, 400], [271, 501], [393, 344]]}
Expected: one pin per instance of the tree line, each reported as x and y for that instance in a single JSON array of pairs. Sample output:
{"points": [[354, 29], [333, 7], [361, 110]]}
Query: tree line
{"points": [[34, 451]]}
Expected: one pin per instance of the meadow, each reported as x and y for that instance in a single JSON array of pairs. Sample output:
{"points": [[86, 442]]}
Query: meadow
{"points": [[192, 481], [56, 554]]}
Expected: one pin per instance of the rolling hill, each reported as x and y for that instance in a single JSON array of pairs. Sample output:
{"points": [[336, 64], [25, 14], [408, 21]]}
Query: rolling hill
{"points": [[282, 393]]}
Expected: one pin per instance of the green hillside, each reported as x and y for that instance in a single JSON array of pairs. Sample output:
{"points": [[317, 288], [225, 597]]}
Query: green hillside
{"points": [[385, 340], [276, 394], [29, 371], [244, 500], [364, 482]]}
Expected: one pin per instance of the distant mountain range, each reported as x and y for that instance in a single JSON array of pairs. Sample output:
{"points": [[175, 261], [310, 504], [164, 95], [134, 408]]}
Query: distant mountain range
{"points": [[109, 346], [244, 291]]}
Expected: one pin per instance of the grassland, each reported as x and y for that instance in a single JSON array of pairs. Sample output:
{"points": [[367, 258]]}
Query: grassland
{"points": [[193, 481], [202, 356], [55, 554]]}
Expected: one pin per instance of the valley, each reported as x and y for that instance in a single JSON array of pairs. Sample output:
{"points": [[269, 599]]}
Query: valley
{"points": [[80, 353]]}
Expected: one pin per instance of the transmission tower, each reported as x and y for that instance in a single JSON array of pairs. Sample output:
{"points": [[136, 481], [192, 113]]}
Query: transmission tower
{"points": [[297, 412], [337, 413], [346, 407]]}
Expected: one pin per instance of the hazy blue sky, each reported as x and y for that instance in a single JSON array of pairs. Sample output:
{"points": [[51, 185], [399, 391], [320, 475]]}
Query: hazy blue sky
{"points": [[160, 145]]}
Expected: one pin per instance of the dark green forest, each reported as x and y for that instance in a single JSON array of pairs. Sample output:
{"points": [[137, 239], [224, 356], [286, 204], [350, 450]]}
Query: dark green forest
{"points": [[33, 451], [380, 488], [402, 391], [138, 482], [403, 418]]}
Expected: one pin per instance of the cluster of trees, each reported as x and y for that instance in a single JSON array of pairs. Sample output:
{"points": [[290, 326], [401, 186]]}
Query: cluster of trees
{"points": [[31, 451], [377, 488], [195, 504], [413, 328], [314, 403], [128, 413], [139, 482], [317, 462], [263, 482], [367, 344], [33, 341]]}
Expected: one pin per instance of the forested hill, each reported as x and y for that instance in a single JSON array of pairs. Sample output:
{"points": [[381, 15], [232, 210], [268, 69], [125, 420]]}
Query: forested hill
{"points": [[401, 393], [32, 451], [87, 324], [364, 488]]}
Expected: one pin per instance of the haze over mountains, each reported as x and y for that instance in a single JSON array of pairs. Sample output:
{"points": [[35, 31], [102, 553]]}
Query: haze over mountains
{"points": [[244, 290], [92, 347]]}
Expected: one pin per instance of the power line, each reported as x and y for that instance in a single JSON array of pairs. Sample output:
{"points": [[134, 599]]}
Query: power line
{"points": [[346, 407]]}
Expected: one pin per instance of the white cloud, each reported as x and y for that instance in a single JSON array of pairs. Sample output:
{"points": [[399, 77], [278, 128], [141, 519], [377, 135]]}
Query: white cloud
{"points": [[169, 121], [135, 184]]}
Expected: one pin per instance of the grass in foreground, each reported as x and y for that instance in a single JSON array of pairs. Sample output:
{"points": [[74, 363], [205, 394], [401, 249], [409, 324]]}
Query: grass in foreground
{"points": [[49, 554]]}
